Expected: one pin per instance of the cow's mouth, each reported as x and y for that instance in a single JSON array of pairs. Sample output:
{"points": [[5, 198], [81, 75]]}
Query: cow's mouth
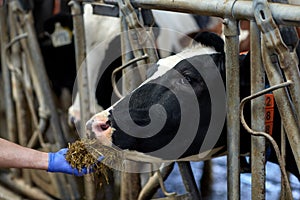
{"points": [[99, 127]]}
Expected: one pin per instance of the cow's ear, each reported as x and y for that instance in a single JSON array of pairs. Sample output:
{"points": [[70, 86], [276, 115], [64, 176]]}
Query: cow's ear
{"points": [[210, 39]]}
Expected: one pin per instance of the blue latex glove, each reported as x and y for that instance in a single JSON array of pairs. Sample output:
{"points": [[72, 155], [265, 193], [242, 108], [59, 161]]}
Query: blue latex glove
{"points": [[57, 163]]}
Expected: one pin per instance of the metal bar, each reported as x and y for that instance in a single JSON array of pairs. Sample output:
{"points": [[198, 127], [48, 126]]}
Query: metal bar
{"points": [[258, 116], [8, 194], [134, 38], [207, 179], [290, 38], [40, 81], [267, 136], [150, 188], [291, 72], [81, 64], [283, 193], [9, 105], [21, 187], [8, 96], [43, 105], [128, 84], [83, 84], [18, 95], [106, 10], [189, 180], [275, 53], [274, 43], [282, 13], [130, 182], [231, 33], [43, 92], [283, 102], [134, 35]]}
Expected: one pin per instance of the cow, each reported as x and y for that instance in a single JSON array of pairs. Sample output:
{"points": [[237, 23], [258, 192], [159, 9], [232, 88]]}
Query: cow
{"points": [[179, 112]]}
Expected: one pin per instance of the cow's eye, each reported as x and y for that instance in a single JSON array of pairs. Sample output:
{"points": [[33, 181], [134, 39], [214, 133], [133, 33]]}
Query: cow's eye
{"points": [[186, 79]]}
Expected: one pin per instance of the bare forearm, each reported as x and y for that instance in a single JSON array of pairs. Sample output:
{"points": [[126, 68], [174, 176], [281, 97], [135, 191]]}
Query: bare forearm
{"points": [[16, 156]]}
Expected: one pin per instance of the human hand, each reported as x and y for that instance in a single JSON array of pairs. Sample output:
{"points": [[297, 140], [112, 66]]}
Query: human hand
{"points": [[57, 163]]}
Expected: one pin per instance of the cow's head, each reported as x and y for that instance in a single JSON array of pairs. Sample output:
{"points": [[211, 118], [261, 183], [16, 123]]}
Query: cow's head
{"points": [[170, 114]]}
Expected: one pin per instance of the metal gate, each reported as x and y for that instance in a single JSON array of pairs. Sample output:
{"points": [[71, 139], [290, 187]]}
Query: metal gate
{"points": [[269, 55]]}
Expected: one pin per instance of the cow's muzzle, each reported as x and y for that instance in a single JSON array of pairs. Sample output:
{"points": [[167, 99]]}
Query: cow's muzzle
{"points": [[99, 127]]}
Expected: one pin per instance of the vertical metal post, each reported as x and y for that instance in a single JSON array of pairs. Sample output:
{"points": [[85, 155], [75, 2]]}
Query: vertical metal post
{"points": [[130, 182], [40, 81], [231, 33], [9, 105], [18, 94], [82, 82], [258, 116], [129, 81], [283, 192], [81, 64]]}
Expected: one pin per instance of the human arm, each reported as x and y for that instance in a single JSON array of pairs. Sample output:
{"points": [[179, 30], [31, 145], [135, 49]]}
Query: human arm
{"points": [[15, 156]]}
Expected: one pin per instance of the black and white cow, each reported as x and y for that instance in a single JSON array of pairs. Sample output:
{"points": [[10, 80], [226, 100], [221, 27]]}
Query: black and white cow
{"points": [[176, 113]]}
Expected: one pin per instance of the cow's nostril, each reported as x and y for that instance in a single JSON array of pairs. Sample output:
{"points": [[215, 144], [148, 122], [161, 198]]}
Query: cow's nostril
{"points": [[104, 127]]}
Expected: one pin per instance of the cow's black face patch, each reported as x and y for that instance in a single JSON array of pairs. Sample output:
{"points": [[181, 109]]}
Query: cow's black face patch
{"points": [[175, 105], [136, 137]]}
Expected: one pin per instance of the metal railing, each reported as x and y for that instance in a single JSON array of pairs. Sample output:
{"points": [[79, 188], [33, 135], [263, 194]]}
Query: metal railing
{"points": [[232, 11], [31, 114]]}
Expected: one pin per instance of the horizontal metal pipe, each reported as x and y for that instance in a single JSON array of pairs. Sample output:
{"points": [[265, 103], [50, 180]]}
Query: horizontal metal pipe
{"points": [[282, 13]]}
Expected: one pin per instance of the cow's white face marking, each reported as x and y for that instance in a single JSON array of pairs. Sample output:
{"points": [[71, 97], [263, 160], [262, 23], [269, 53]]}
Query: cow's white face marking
{"points": [[165, 64]]}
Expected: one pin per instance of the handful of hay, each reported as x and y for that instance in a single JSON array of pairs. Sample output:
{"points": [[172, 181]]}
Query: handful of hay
{"points": [[85, 153]]}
